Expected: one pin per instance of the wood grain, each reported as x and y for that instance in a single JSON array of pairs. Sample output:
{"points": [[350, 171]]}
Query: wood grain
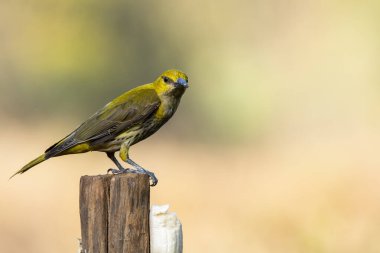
{"points": [[114, 212]]}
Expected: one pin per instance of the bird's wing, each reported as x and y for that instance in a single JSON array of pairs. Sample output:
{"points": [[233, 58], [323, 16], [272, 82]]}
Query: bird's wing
{"points": [[124, 112]]}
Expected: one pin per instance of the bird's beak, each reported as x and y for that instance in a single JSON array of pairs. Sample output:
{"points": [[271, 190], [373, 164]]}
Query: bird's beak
{"points": [[182, 82]]}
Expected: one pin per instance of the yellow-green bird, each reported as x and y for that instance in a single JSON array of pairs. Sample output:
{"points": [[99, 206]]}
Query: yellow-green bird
{"points": [[126, 120]]}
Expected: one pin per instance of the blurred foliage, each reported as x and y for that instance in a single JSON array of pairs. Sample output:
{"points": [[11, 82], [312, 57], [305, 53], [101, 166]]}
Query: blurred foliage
{"points": [[254, 66]]}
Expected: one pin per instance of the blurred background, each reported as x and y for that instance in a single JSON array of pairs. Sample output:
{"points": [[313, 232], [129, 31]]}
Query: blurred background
{"points": [[274, 147]]}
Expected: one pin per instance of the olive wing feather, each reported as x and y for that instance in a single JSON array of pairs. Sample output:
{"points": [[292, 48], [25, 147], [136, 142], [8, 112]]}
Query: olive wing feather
{"points": [[124, 112]]}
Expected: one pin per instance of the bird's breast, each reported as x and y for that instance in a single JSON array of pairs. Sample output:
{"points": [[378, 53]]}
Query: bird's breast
{"points": [[167, 107]]}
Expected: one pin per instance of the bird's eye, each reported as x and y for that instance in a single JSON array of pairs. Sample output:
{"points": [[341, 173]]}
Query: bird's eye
{"points": [[166, 79]]}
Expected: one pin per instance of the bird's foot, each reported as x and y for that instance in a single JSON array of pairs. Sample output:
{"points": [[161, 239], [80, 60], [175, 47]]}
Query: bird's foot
{"points": [[137, 171], [150, 174], [120, 171]]}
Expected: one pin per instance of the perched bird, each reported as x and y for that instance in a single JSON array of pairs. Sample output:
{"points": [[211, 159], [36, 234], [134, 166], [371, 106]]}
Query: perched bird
{"points": [[126, 120]]}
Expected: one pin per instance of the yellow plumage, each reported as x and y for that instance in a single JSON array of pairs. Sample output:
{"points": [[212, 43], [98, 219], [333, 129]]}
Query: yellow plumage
{"points": [[126, 120]]}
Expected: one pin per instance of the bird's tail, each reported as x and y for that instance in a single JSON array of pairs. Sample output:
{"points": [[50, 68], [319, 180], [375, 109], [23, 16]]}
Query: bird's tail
{"points": [[36, 161]]}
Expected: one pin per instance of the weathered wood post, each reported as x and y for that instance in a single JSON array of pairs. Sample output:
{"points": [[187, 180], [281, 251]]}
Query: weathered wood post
{"points": [[114, 213]]}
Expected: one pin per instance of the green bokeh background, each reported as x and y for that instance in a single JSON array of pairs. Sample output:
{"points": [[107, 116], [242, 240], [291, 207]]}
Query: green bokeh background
{"points": [[251, 63]]}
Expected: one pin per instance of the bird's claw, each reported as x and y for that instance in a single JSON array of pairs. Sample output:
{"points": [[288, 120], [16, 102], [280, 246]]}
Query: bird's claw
{"points": [[118, 171], [153, 178], [151, 175]]}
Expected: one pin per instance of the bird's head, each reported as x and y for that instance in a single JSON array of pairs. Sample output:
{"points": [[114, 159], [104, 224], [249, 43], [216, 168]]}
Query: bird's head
{"points": [[171, 82]]}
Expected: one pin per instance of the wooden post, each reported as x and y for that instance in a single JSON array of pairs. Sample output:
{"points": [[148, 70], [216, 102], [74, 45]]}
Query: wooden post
{"points": [[114, 213]]}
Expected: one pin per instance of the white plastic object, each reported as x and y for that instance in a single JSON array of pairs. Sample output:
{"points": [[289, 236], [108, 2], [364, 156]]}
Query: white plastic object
{"points": [[165, 231]]}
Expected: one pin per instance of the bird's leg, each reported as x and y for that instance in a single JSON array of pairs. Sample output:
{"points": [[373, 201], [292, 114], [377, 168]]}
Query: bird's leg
{"points": [[121, 169], [143, 171], [125, 157]]}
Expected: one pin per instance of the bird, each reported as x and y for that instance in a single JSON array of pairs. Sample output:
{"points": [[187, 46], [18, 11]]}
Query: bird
{"points": [[126, 120]]}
